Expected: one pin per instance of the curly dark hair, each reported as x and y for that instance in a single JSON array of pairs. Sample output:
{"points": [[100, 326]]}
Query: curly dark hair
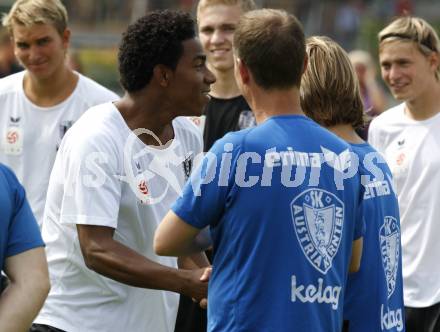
{"points": [[153, 39]]}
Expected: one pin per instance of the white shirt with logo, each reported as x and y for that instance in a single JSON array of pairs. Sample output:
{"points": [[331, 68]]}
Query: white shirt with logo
{"points": [[412, 150], [30, 135], [104, 175]]}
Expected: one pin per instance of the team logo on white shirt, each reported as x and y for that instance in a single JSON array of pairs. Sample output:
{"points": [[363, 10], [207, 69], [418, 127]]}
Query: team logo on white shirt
{"points": [[246, 119], [14, 120], [160, 168], [389, 236], [12, 141], [64, 127], [187, 166], [318, 217]]}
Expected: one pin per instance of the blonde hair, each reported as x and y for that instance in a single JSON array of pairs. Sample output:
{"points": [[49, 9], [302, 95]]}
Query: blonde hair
{"points": [[31, 12], [245, 5], [412, 29], [329, 91]]}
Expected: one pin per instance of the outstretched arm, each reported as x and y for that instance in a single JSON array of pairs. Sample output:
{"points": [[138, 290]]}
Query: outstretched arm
{"points": [[28, 288], [114, 260], [174, 237]]}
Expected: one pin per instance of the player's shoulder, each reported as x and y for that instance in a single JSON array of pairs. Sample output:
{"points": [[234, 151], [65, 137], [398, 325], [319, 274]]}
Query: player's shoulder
{"points": [[327, 137], [234, 141], [362, 149], [241, 136], [368, 155], [102, 114], [8, 178], [99, 120], [5, 171], [387, 117], [99, 130], [316, 137], [93, 92], [11, 83]]}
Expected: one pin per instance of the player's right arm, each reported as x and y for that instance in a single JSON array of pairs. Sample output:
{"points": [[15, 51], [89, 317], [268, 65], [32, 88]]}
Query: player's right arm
{"points": [[114, 260]]}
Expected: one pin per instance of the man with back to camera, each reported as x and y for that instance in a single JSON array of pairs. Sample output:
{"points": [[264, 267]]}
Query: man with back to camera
{"points": [[330, 95], [113, 181], [22, 257], [407, 136], [227, 110], [42, 102], [259, 191]]}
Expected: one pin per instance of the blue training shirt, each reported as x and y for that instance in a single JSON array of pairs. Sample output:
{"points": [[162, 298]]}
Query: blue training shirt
{"points": [[19, 231], [282, 229], [374, 298]]}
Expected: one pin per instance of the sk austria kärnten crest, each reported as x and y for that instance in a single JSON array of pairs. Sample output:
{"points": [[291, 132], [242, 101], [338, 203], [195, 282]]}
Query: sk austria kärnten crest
{"points": [[318, 217], [389, 236]]}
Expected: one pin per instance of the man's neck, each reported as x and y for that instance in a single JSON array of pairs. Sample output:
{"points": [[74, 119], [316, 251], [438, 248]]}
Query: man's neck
{"points": [[225, 86], [140, 110], [52, 90], [266, 104], [347, 133], [424, 106]]}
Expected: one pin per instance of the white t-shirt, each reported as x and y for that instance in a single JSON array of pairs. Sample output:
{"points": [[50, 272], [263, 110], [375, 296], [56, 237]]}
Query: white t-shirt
{"points": [[30, 135], [412, 150], [104, 175]]}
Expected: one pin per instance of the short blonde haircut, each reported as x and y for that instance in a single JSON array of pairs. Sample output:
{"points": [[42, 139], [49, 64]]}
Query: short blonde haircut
{"points": [[31, 12], [412, 29], [245, 5], [329, 91], [271, 44]]}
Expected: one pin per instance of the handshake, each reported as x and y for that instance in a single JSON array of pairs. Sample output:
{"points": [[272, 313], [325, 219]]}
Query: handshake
{"points": [[197, 287]]}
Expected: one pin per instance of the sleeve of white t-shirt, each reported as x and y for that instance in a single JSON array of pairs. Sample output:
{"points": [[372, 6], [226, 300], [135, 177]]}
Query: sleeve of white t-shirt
{"points": [[91, 181]]}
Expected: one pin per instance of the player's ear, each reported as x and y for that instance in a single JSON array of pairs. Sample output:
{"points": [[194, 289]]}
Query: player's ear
{"points": [[242, 70], [66, 37], [162, 75], [434, 61]]}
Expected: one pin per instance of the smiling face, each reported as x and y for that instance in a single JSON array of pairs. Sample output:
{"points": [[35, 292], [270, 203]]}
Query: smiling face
{"points": [[406, 71], [40, 48], [217, 24], [190, 82]]}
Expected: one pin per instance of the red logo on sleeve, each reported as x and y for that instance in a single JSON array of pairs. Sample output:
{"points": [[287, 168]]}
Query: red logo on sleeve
{"points": [[12, 137]]}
